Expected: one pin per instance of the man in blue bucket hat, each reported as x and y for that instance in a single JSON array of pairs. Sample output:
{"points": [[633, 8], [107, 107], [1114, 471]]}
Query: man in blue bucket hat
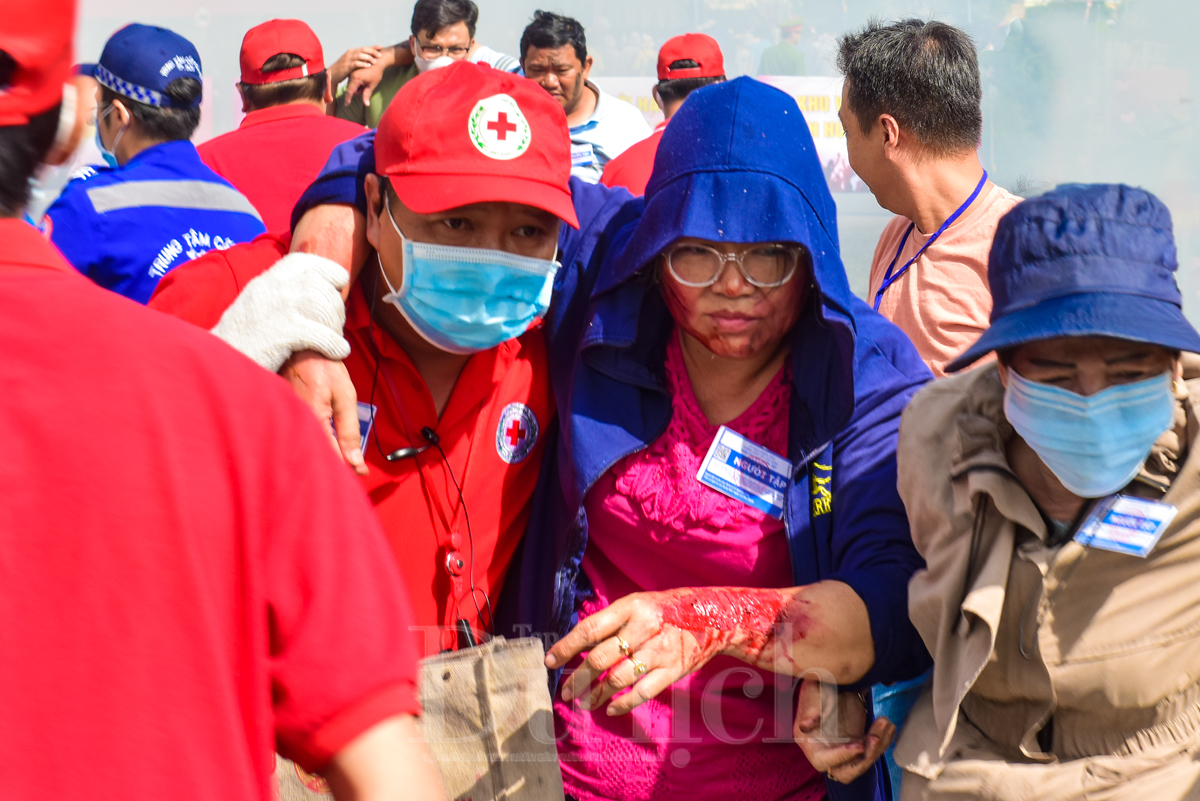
{"points": [[156, 205], [1054, 500]]}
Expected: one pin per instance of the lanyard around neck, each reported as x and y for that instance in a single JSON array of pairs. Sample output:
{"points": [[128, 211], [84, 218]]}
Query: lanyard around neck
{"points": [[888, 277]]}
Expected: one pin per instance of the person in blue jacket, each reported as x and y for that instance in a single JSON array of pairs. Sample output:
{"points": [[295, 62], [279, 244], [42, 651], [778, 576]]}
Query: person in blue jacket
{"points": [[731, 261], [156, 205]]}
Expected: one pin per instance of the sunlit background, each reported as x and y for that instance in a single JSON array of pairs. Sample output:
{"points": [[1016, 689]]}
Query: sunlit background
{"points": [[1074, 90]]}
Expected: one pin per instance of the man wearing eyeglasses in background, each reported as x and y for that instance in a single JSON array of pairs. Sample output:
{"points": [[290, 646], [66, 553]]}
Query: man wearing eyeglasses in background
{"points": [[443, 31]]}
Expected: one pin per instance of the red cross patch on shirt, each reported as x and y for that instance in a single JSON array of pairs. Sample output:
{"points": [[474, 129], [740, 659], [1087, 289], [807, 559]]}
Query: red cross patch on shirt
{"points": [[517, 433]]}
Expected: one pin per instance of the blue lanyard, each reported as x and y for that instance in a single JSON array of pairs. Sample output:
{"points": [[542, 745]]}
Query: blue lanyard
{"points": [[888, 278]]}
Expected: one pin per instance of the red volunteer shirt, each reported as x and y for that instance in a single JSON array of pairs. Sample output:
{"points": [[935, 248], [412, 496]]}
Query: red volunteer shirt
{"points": [[492, 431], [632, 168], [188, 578], [200, 290], [275, 154]]}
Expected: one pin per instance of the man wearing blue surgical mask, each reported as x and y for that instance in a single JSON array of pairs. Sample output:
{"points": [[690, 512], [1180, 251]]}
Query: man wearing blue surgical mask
{"points": [[1054, 500]]}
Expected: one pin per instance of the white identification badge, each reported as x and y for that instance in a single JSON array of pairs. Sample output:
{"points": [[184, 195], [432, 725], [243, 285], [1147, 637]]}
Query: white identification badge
{"points": [[582, 154], [745, 471], [1126, 525]]}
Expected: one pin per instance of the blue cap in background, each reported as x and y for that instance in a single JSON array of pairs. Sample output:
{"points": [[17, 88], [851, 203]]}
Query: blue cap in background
{"points": [[141, 61]]}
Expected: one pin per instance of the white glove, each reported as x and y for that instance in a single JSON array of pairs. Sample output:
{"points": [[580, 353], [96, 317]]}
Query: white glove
{"points": [[293, 306]]}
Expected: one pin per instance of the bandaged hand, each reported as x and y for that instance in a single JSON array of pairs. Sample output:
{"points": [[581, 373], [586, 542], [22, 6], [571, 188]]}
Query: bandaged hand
{"points": [[296, 305]]}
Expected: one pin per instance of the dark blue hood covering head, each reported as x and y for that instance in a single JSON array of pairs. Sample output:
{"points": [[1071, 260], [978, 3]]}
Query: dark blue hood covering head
{"points": [[738, 164]]}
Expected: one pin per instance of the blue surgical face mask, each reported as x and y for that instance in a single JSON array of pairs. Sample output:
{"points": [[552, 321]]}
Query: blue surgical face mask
{"points": [[1095, 445], [108, 155], [467, 300]]}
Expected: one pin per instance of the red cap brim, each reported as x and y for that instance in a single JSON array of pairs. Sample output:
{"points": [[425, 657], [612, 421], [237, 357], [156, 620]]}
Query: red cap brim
{"points": [[429, 194]]}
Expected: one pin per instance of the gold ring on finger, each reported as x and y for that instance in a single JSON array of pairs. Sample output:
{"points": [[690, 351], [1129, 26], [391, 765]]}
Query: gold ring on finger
{"points": [[623, 645], [639, 667]]}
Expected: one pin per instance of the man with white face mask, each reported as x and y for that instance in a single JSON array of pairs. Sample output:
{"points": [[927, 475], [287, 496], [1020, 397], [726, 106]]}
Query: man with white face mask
{"points": [[443, 32], [1054, 499]]}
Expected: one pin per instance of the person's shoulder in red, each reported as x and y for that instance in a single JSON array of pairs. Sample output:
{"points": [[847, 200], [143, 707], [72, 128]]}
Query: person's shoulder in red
{"points": [[227, 563], [200, 290], [632, 168], [275, 153]]}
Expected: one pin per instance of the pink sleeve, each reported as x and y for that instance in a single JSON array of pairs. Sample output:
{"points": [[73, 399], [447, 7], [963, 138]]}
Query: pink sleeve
{"points": [[343, 649]]}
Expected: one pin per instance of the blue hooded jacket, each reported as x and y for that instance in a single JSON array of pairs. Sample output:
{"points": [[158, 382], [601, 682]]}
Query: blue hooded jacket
{"points": [[737, 164]]}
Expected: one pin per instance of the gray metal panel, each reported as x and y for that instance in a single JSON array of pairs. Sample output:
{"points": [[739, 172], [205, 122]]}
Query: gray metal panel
{"points": [[172, 194]]}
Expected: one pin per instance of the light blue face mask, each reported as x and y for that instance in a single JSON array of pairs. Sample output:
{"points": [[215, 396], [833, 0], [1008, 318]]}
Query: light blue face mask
{"points": [[467, 300], [1094, 444], [109, 158]]}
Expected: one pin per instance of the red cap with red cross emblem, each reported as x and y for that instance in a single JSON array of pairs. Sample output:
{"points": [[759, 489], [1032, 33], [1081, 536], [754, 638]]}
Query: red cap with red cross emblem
{"points": [[468, 133]]}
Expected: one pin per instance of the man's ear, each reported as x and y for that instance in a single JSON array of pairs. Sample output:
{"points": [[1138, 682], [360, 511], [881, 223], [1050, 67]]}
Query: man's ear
{"points": [[242, 95], [328, 89], [891, 132], [373, 186], [120, 113], [587, 67], [1003, 371]]}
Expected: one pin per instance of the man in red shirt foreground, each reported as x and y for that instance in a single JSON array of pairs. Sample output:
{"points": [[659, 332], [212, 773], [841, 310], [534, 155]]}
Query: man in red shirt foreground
{"points": [[188, 578], [285, 137], [448, 364], [685, 63]]}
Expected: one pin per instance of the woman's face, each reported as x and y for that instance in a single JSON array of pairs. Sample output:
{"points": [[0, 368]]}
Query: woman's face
{"points": [[1086, 365], [732, 317]]}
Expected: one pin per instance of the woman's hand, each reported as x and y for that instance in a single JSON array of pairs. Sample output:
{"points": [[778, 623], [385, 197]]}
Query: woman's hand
{"points": [[648, 640], [829, 728], [356, 58]]}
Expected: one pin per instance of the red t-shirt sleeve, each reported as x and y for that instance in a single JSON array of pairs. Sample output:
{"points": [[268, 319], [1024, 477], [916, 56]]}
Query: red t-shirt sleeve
{"points": [[343, 648], [200, 290]]}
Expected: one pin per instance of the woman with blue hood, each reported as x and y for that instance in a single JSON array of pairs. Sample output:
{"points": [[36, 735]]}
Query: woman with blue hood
{"points": [[717, 509], [721, 312]]}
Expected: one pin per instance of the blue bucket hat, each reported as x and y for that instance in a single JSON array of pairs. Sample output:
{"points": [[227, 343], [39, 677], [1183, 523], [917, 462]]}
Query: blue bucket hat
{"points": [[738, 164], [141, 61], [1084, 259]]}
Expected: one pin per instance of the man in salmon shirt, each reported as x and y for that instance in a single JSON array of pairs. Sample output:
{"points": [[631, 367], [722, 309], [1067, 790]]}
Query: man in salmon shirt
{"points": [[446, 354], [913, 121]]}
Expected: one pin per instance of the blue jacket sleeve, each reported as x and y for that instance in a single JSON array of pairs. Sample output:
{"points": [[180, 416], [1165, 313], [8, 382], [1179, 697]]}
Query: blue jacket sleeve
{"points": [[75, 228], [873, 550], [341, 179]]}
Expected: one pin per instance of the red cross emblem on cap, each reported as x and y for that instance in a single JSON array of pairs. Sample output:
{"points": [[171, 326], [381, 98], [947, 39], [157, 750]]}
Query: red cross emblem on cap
{"points": [[498, 129]]}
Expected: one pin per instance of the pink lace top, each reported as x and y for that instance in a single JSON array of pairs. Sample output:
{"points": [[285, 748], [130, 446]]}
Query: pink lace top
{"points": [[724, 731]]}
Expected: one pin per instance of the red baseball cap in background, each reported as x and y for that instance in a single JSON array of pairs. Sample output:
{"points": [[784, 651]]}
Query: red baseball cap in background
{"points": [[698, 47], [38, 35], [468, 133], [264, 42]]}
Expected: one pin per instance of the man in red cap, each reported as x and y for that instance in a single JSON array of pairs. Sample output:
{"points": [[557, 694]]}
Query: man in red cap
{"points": [[448, 361], [286, 136], [189, 580], [685, 63]]}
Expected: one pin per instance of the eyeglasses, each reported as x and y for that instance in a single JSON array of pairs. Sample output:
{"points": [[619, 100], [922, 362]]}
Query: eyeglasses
{"points": [[432, 51], [764, 265]]}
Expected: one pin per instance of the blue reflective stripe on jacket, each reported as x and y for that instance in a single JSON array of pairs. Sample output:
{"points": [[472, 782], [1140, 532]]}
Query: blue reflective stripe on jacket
{"points": [[126, 228]]}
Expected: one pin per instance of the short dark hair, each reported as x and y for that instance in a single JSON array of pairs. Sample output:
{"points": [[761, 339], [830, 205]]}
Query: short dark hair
{"points": [[430, 16], [265, 95], [925, 74], [163, 123], [679, 88], [22, 149], [552, 31]]}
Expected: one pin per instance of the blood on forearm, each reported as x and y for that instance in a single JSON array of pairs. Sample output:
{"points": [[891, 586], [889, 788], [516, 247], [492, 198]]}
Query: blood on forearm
{"points": [[775, 629]]}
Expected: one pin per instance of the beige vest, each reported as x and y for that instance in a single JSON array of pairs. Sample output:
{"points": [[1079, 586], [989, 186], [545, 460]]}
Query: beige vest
{"points": [[1102, 648]]}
